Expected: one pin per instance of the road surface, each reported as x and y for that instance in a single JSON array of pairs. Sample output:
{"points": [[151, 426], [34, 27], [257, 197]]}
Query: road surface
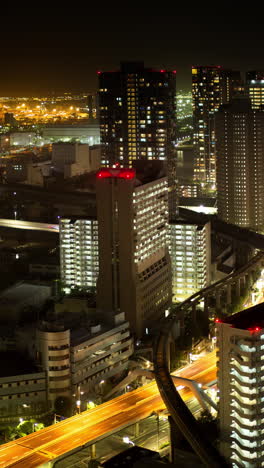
{"points": [[30, 225], [96, 424]]}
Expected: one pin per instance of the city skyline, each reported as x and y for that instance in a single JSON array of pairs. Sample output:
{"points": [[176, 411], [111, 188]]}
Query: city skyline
{"points": [[58, 53]]}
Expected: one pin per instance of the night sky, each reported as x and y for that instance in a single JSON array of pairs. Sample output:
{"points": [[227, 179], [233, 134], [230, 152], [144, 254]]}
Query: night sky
{"points": [[59, 52]]}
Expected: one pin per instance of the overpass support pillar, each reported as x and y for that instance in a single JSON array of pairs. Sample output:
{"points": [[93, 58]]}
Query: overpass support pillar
{"points": [[168, 352], [238, 287], [243, 283], [206, 314], [218, 299], [194, 312], [93, 451], [136, 429], [251, 278], [228, 294], [206, 307]]}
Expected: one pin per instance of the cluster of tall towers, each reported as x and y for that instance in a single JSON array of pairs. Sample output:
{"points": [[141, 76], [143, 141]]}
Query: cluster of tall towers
{"points": [[137, 244], [228, 141]]}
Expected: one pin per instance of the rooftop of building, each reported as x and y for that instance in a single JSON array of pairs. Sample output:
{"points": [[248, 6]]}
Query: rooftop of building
{"points": [[135, 67], [130, 456], [241, 103], [15, 363], [180, 221], [248, 319], [20, 292], [143, 172], [197, 201], [72, 219], [84, 123]]}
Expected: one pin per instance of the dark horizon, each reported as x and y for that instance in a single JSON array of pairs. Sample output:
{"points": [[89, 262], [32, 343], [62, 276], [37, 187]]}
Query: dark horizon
{"points": [[60, 53]]}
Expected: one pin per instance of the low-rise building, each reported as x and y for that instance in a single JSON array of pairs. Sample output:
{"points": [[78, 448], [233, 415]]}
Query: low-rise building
{"points": [[78, 360], [88, 134], [23, 388], [73, 159]]}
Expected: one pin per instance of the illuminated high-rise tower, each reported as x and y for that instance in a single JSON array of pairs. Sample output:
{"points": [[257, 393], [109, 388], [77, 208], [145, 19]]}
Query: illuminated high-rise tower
{"points": [[211, 87], [239, 134], [134, 262], [255, 88], [137, 114], [137, 118], [240, 339]]}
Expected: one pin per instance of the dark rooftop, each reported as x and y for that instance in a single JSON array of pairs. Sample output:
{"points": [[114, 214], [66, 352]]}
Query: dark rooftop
{"points": [[15, 363], [130, 456], [248, 319]]}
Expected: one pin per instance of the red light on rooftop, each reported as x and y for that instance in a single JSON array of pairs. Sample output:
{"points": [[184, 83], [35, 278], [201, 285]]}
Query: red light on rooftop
{"points": [[103, 174], [126, 174], [162, 71], [255, 329], [116, 173], [174, 71], [98, 72]]}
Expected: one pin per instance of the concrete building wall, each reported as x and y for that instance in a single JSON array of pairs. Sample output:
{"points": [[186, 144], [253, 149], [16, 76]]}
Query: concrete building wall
{"points": [[240, 376], [132, 227], [100, 357], [79, 252], [54, 355], [190, 251], [23, 395], [240, 164]]}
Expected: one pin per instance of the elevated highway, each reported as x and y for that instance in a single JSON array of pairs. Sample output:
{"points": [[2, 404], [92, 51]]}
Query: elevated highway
{"points": [[93, 425], [171, 397], [29, 225]]}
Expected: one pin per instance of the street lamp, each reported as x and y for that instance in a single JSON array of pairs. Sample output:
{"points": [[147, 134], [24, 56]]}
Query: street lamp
{"points": [[126, 440], [78, 404]]}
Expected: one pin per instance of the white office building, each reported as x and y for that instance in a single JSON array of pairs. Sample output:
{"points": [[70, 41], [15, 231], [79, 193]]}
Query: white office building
{"points": [[190, 251], [79, 253], [240, 381]]}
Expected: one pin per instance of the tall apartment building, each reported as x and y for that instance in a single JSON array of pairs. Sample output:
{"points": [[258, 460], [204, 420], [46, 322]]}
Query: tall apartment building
{"points": [[255, 88], [79, 262], [134, 262], [240, 341], [137, 118], [137, 114], [190, 251], [240, 163], [211, 87]]}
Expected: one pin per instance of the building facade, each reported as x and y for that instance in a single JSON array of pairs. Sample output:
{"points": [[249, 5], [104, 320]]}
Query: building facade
{"points": [[190, 251], [137, 119], [79, 264], [23, 395], [134, 263], [76, 360], [137, 114], [240, 163], [211, 87], [240, 381], [255, 88]]}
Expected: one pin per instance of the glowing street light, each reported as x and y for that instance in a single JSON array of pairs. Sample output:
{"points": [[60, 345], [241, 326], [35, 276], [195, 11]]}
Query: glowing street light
{"points": [[126, 440]]}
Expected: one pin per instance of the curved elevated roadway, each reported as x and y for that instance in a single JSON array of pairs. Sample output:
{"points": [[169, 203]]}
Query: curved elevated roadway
{"points": [[171, 397]]}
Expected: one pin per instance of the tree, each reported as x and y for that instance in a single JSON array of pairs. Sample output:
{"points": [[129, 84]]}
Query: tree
{"points": [[63, 406]]}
